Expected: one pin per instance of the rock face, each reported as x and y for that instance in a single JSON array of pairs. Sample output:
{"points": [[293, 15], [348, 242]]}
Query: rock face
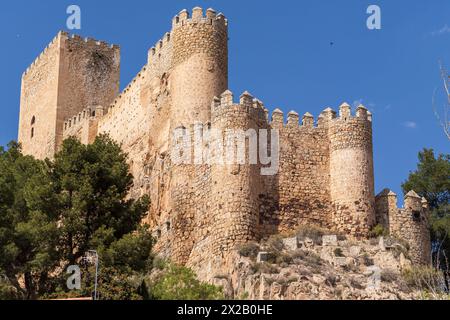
{"points": [[318, 172], [341, 270]]}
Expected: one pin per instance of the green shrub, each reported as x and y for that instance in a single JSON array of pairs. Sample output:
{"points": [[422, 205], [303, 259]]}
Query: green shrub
{"points": [[338, 252], [275, 244], [180, 283], [264, 267], [424, 278], [378, 231], [9, 292], [313, 232]]}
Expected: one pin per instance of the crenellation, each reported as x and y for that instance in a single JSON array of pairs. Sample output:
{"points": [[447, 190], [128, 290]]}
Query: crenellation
{"points": [[293, 119], [277, 118], [246, 100], [211, 13], [409, 223], [345, 111], [308, 120], [361, 112]]}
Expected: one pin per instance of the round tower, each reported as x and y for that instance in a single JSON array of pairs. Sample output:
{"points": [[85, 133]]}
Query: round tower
{"points": [[199, 64], [199, 72], [235, 176], [351, 172]]}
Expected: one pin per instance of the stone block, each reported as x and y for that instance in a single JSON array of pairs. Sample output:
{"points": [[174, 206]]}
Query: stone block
{"points": [[329, 240], [291, 243]]}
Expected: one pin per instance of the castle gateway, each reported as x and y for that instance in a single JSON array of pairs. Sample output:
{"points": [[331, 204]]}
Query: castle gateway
{"points": [[201, 211]]}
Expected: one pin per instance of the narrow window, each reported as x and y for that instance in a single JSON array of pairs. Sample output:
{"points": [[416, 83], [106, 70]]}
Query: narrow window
{"points": [[33, 121]]}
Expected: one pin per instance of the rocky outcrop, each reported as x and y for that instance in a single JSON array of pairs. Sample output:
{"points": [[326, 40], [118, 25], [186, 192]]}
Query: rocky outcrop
{"points": [[317, 270]]}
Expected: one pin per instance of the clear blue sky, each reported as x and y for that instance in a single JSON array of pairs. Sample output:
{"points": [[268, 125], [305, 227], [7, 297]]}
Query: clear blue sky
{"points": [[279, 51]]}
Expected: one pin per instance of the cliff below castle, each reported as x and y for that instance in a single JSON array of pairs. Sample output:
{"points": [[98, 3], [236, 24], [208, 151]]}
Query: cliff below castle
{"points": [[312, 266]]}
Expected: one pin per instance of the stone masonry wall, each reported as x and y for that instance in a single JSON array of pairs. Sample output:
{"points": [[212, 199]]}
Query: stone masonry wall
{"points": [[410, 223], [39, 94], [200, 212]]}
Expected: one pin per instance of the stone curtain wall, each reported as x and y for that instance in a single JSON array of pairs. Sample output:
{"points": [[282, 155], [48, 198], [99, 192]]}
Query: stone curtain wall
{"points": [[299, 193]]}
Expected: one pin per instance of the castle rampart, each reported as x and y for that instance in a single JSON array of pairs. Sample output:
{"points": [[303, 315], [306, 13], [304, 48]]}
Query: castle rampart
{"points": [[410, 223]]}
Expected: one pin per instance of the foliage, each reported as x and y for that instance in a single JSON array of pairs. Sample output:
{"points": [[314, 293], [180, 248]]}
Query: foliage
{"points": [[389, 275], [312, 232], [378, 231], [338, 252], [249, 250], [429, 281], [180, 283], [53, 212], [264, 268]]}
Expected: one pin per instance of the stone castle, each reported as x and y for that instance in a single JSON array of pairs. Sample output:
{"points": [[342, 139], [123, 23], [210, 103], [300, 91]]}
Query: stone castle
{"points": [[200, 212]]}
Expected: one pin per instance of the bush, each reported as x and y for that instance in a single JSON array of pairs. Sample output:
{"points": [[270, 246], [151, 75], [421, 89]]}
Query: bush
{"points": [[275, 244], [424, 278], [180, 283], [378, 231], [389, 275], [9, 292], [338, 252], [159, 263], [355, 283], [249, 250], [313, 232], [366, 260], [264, 267]]}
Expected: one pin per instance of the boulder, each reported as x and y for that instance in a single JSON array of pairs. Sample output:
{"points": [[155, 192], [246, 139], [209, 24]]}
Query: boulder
{"points": [[291, 243]]}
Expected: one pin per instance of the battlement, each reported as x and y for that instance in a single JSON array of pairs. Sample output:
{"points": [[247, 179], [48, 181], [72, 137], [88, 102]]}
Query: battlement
{"points": [[248, 105], [52, 44], [410, 222], [327, 117], [157, 50], [73, 123], [89, 41], [198, 16]]}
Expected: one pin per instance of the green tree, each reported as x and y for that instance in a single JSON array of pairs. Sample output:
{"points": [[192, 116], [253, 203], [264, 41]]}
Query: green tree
{"points": [[28, 234], [180, 283], [431, 180], [53, 212], [92, 183]]}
